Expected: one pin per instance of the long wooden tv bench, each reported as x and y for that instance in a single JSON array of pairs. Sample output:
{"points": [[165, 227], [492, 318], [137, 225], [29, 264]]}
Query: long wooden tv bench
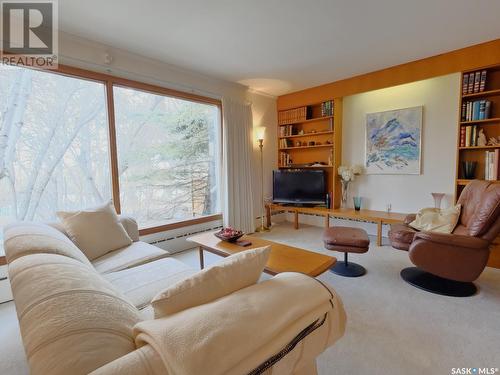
{"points": [[378, 217]]}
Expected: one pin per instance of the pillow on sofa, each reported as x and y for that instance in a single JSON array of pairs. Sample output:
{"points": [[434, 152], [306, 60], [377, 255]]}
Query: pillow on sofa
{"points": [[229, 275], [96, 231], [436, 220]]}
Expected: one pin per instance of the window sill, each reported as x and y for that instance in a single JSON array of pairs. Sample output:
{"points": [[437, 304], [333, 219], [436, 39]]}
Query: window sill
{"points": [[179, 224]]}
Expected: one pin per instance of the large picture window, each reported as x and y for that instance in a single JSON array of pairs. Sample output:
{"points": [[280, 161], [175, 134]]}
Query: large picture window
{"points": [[71, 139], [53, 144], [168, 152]]}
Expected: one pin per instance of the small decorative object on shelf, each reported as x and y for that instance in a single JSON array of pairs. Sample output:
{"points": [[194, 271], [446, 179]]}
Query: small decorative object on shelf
{"points": [[357, 203], [469, 169], [347, 175], [438, 197], [481, 138], [494, 141], [228, 234], [388, 208]]}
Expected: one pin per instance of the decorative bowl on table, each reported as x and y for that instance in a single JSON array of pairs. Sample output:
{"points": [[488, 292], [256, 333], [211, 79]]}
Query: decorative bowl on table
{"points": [[229, 234]]}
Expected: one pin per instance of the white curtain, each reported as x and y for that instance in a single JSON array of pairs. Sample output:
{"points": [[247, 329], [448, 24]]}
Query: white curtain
{"points": [[238, 166]]}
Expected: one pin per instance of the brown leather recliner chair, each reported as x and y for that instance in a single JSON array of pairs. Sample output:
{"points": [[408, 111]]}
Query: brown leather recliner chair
{"points": [[448, 263]]}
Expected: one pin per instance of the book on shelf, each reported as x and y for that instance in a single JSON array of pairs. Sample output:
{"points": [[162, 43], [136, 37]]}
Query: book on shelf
{"points": [[469, 136], [491, 165], [327, 108], [477, 81], [474, 82], [287, 130], [482, 84], [294, 115], [470, 86], [475, 110], [284, 159], [285, 143], [465, 83], [462, 136]]}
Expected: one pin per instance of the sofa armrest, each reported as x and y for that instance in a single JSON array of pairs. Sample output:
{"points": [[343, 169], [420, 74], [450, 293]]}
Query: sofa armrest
{"points": [[453, 240], [130, 225], [290, 312], [409, 218]]}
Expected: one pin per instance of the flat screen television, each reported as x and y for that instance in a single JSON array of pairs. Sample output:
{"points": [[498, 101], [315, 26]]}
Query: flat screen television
{"points": [[299, 186]]}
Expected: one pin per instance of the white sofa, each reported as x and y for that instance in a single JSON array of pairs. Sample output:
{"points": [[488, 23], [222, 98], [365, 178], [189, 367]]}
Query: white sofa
{"points": [[78, 317]]}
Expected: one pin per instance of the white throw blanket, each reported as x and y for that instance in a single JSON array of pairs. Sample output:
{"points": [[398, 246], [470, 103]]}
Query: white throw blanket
{"points": [[248, 331]]}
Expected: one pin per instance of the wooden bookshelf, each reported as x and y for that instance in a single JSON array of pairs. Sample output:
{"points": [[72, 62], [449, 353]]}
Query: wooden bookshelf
{"points": [[307, 134], [315, 138], [485, 121], [491, 128]]}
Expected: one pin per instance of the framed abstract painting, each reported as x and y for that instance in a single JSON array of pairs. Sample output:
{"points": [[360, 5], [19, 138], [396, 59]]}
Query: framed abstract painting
{"points": [[393, 141]]}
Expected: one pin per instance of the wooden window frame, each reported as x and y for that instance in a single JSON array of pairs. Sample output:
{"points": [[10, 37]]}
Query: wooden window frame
{"points": [[110, 81]]}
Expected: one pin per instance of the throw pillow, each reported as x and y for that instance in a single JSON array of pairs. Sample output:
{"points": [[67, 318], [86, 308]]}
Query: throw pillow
{"points": [[436, 220], [96, 231], [231, 274]]}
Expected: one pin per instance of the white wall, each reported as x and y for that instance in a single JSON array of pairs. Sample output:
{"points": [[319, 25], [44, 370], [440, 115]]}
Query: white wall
{"points": [[406, 193], [86, 54]]}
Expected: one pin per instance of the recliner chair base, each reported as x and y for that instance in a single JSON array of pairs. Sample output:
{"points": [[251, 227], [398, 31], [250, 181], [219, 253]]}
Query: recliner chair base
{"points": [[438, 285]]}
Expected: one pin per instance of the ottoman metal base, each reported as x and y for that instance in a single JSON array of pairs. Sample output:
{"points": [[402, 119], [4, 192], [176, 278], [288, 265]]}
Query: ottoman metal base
{"points": [[348, 269]]}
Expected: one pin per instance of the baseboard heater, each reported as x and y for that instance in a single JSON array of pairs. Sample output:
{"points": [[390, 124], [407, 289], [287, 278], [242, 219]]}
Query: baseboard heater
{"points": [[174, 240]]}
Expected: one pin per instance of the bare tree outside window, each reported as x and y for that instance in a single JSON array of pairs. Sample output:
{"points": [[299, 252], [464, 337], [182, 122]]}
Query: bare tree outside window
{"points": [[53, 144], [168, 156]]}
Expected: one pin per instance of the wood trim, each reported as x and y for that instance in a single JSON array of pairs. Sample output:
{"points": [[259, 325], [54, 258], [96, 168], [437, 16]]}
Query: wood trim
{"points": [[469, 58], [141, 86], [179, 224], [337, 151], [113, 153], [119, 81]]}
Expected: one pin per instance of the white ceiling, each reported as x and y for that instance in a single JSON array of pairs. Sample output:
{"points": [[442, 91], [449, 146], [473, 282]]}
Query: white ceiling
{"points": [[281, 46]]}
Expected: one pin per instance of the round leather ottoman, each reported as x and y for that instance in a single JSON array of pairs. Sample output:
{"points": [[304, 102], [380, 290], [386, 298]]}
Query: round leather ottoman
{"points": [[347, 240]]}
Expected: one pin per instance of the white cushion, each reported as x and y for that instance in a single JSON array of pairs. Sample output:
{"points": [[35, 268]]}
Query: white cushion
{"points": [[96, 231], [140, 284], [231, 274], [436, 220], [130, 256]]}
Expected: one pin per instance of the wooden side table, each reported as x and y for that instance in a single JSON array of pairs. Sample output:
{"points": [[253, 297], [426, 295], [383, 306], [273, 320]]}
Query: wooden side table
{"points": [[377, 217]]}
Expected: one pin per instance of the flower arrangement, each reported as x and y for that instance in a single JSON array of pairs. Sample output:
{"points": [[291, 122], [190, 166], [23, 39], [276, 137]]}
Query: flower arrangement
{"points": [[347, 175]]}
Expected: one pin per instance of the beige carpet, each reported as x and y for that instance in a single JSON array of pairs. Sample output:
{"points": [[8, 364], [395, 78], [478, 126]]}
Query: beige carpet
{"points": [[393, 328]]}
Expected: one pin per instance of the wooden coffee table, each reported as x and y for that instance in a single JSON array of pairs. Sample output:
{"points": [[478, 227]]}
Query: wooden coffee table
{"points": [[283, 258]]}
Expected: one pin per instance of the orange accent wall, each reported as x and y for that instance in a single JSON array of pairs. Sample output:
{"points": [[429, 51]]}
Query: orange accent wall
{"points": [[468, 58]]}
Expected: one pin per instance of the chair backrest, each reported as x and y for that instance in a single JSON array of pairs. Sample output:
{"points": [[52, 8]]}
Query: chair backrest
{"points": [[480, 202]]}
